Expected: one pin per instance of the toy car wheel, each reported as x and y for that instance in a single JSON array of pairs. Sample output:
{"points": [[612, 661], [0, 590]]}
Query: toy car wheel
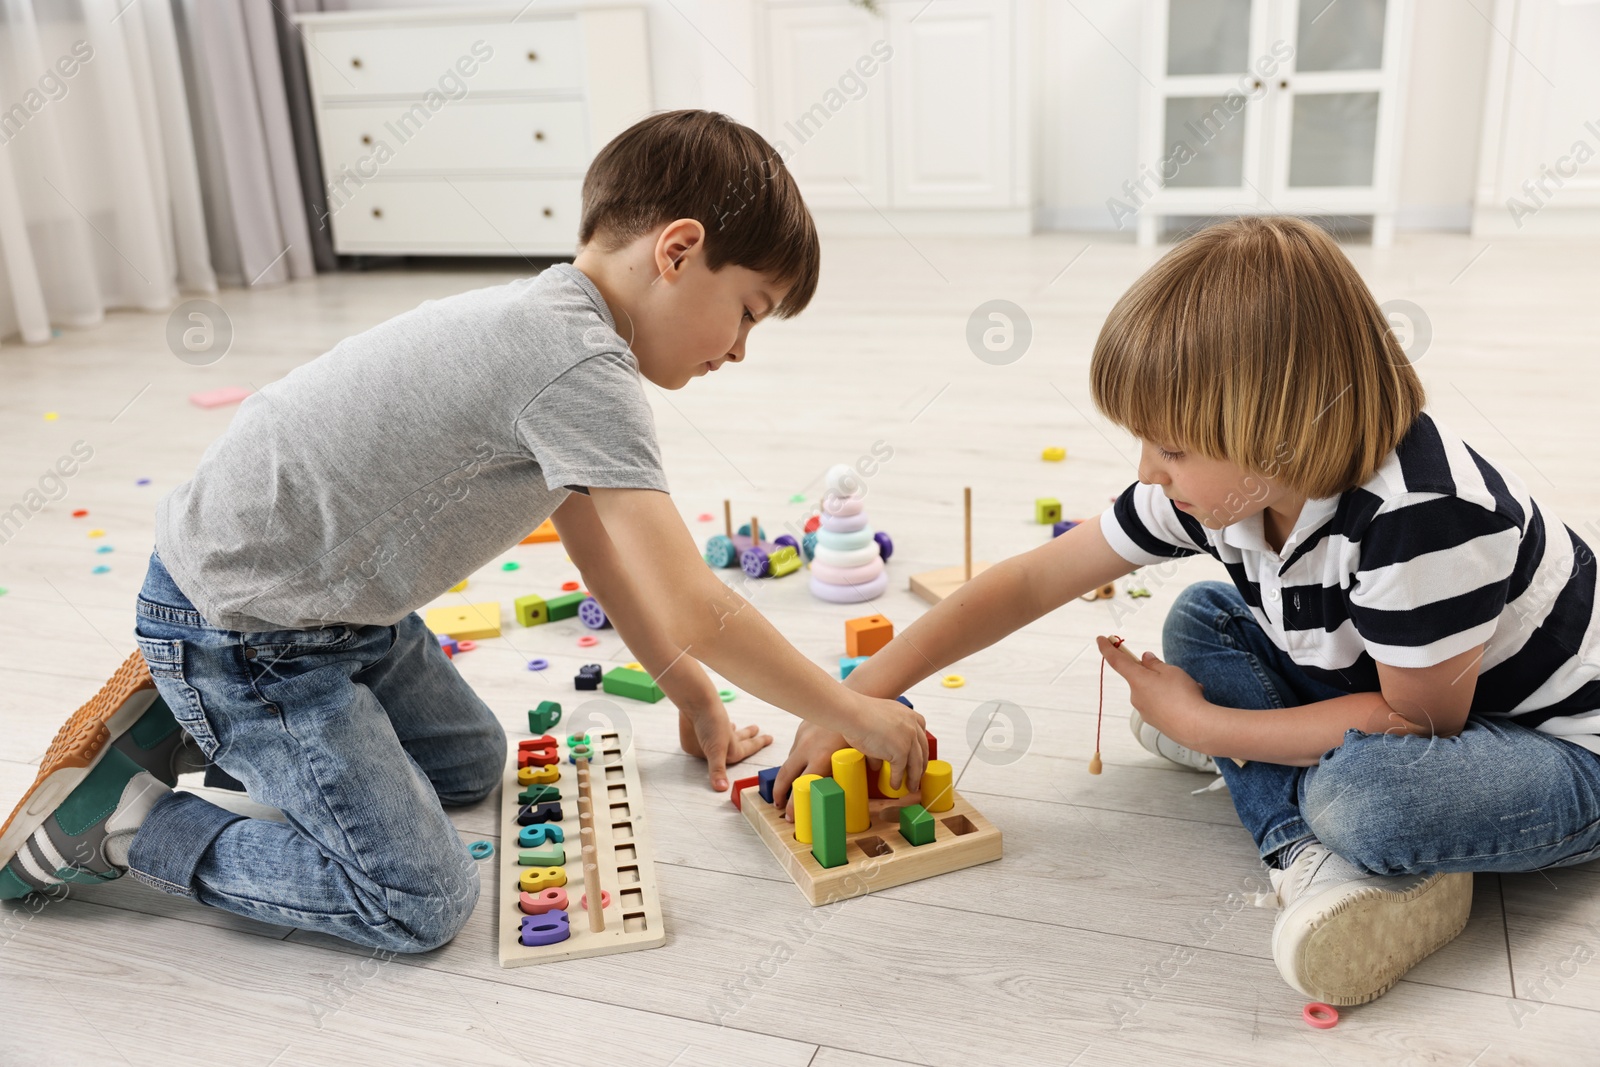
{"points": [[754, 562], [720, 552], [592, 615]]}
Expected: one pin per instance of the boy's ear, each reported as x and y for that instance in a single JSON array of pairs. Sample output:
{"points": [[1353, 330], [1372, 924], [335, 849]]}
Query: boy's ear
{"points": [[677, 241]]}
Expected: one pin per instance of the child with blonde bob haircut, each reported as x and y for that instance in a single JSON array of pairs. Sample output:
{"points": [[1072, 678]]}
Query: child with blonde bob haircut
{"points": [[1398, 682]]}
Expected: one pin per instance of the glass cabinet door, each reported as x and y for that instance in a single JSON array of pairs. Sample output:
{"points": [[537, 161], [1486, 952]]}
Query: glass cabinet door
{"points": [[1208, 37]]}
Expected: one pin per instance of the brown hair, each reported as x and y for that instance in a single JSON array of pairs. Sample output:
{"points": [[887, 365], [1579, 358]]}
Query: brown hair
{"points": [[1255, 341], [702, 165]]}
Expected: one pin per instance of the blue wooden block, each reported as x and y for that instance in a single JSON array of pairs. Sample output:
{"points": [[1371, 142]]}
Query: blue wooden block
{"points": [[848, 664], [765, 781]]}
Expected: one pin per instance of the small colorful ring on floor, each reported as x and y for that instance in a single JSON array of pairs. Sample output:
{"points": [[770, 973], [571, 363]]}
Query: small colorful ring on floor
{"points": [[1322, 1016], [634, 666], [588, 641], [481, 850], [953, 681], [727, 695], [466, 646], [569, 587], [538, 664]]}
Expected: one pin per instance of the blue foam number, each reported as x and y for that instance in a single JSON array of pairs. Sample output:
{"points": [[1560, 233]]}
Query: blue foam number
{"points": [[538, 836], [551, 928]]}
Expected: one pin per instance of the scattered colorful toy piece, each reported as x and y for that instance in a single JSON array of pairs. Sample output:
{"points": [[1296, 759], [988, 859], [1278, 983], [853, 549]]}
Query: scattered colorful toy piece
{"points": [[481, 850], [1053, 454]]}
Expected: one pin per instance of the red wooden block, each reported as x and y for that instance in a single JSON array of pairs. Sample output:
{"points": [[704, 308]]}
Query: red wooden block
{"points": [[933, 749], [740, 786]]}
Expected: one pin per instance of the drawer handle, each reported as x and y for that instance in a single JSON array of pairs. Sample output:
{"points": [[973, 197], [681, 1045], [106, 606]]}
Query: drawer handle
{"points": [[538, 135], [548, 213], [355, 61], [377, 212], [533, 57]]}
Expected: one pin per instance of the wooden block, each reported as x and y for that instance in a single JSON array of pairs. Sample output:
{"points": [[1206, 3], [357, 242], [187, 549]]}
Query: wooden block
{"points": [[737, 791], [827, 822], [466, 622], [543, 533], [531, 610], [549, 854], [564, 606], [539, 794], [536, 878], [784, 561], [850, 772], [937, 787], [617, 829], [933, 746], [848, 664], [878, 858], [459, 586], [544, 717], [885, 776], [532, 813], [535, 775], [802, 807], [934, 586], [1046, 510], [864, 636], [637, 685], [588, 677], [766, 780], [916, 825]]}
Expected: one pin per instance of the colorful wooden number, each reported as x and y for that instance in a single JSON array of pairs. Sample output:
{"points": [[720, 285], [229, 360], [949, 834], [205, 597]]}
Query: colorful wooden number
{"points": [[538, 775], [552, 899], [550, 928], [532, 813], [539, 794], [536, 878], [547, 855], [540, 834]]}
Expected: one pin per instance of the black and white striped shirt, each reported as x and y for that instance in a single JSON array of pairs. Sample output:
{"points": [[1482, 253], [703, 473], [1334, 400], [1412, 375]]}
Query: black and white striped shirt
{"points": [[1437, 553]]}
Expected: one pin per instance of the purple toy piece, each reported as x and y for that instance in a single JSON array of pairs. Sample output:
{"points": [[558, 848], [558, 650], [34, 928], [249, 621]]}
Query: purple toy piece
{"points": [[786, 539], [754, 562], [885, 545], [592, 615], [551, 928], [1061, 527]]}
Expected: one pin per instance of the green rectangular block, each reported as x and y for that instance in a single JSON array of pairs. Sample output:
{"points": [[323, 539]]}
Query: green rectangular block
{"points": [[531, 610], [564, 606], [916, 825], [626, 682], [539, 794], [827, 822]]}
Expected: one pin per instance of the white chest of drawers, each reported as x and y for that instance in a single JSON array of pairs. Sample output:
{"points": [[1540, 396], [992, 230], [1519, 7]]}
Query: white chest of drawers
{"points": [[468, 131]]}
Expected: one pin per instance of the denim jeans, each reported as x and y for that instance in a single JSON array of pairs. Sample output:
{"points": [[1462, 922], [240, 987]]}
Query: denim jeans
{"points": [[1496, 797], [359, 735]]}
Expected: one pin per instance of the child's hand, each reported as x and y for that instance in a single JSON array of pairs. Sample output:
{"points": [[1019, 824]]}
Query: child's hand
{"points": [[708, 733], [812, 753], [891, 732], [1165, 696]]}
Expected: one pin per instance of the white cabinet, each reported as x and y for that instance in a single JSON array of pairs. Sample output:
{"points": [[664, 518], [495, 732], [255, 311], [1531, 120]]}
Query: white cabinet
{"points": [[469, 132], [1269, 107], [1539, 168], [915, 113]]}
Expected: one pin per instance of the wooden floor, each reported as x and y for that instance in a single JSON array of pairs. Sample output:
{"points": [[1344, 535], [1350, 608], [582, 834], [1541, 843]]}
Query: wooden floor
{"points": [[1112, 932]]}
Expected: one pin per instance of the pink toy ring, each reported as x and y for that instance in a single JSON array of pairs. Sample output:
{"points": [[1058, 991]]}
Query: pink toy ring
{"points": [[850, 594], [605, 900], [1322, 1016], [845, 523], [466, 646], [842, 505], [588, 641], [855, 557], [827, 572]]}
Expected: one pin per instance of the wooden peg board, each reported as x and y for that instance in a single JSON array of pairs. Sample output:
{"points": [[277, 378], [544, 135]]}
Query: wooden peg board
{"points": [[627, 862], [877, 857]]}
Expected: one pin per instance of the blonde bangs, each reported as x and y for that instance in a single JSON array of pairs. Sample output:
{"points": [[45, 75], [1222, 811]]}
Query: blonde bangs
{"points": [[1256, 341]]}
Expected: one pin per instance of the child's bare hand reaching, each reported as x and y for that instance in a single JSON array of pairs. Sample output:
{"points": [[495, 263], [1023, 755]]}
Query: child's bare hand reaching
{"points": [[707, 732]]}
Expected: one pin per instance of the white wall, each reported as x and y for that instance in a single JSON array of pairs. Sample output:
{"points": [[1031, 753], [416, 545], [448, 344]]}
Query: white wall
{"points": [[1086, 96]]}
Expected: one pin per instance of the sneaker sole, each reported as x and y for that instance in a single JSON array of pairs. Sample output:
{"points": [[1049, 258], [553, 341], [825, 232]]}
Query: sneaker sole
{"points": [[1136, 724], [80, 743], [1355, 950]]}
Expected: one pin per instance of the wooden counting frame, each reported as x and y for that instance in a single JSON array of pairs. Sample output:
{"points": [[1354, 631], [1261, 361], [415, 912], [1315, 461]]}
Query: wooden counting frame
{"points": [[623, 867], [877, 857]]}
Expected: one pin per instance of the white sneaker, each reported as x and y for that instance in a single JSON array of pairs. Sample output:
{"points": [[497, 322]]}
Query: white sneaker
{"points": [[1158, 743], [1346, 936]]}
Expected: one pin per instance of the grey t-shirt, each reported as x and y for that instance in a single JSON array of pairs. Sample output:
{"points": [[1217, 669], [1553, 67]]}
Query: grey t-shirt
{"points": [[370, 480]]}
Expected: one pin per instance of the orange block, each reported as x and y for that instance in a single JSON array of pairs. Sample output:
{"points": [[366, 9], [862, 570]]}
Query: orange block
{"points": [[864, 636], [545, 532]]}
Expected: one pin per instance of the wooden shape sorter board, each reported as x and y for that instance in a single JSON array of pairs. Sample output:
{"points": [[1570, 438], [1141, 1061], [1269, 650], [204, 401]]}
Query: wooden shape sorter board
{"points": [[626, 860], [877, 857]]}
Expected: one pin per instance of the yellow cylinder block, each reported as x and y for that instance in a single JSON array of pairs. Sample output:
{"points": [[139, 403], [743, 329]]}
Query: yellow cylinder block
{"points": [[938, 786], [850, 771], [802, 807], [885, 772]]}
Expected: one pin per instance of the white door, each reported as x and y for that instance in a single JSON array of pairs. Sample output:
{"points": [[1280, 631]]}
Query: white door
{"points": [[827, 101], [951, 104]]}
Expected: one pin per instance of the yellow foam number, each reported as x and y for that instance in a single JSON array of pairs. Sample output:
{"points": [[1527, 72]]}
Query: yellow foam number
{"points": [[538, 775], [536, 878]]}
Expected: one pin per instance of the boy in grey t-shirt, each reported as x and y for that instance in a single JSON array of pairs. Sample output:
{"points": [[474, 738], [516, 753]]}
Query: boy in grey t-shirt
{"points": [[278, 619]]}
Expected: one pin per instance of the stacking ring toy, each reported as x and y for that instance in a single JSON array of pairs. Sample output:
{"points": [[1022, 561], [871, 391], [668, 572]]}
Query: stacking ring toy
{"points": [[1322, 1016], [481, 850]]}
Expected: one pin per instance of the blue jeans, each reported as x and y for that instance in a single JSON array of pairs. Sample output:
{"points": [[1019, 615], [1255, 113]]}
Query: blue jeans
{"points": [[359, 734], [1496, 797]]}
